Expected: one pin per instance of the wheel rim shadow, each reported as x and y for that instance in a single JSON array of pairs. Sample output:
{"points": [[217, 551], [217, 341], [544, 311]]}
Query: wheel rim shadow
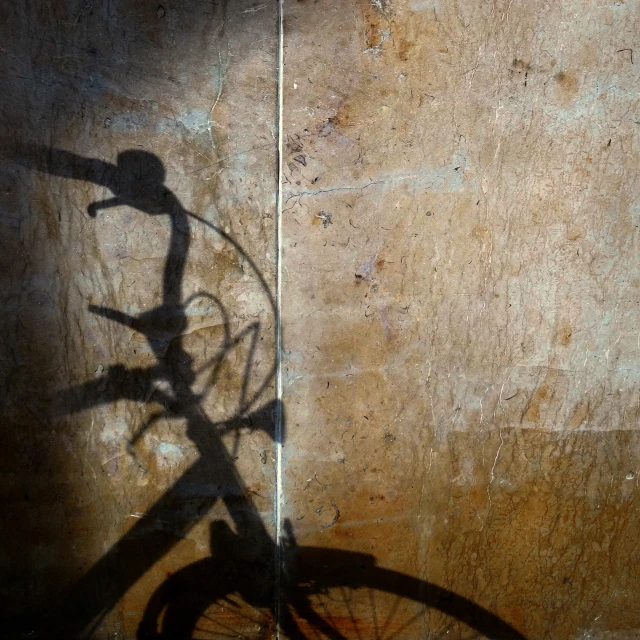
{"points": [[231, 592], [319, 568]]}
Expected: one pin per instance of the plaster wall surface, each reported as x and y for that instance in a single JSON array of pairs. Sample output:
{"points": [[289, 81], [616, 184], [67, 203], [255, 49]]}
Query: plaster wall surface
{"points": [[88, 90], [461, 300], [454, 213]]}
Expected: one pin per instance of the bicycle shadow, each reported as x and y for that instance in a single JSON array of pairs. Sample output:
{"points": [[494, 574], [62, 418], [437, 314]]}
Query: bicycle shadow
{"points": [[137, 181]]}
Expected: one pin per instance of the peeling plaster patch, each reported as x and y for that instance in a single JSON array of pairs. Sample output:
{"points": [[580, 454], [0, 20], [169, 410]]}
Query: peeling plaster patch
{"points": [[424, 5], [128, 122], [193, 120], [114, 432], [365, 271], [212, 215], [445, 179], [593, 104], [377, 50], [543, 398], [168, 454]]}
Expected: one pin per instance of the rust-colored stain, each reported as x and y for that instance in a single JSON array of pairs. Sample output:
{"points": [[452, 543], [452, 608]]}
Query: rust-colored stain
{"points": [[404, 49], [375, 24], [565, 333], [342, 118], [580, 415], [568, 85], [574, 233], [481, 233], [521, 65], [532, 413]]}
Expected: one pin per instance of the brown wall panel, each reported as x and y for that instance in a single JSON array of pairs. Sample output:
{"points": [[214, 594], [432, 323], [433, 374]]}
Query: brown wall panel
{"points": [[461, 304]]}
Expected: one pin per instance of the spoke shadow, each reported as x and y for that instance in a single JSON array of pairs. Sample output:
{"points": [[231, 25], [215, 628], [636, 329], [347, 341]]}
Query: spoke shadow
{"points": [[324, 593]]}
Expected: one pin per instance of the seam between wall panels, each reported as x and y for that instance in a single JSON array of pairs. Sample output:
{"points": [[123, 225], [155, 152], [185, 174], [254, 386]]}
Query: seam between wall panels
{"points": [[279, 417]]}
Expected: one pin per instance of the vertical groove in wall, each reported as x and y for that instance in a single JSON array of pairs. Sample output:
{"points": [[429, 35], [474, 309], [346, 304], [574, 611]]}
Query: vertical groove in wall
{"points": [[278, 253]]}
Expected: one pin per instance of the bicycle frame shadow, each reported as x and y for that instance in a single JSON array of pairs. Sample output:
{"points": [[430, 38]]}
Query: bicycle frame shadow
{"points": [[137, 181]]}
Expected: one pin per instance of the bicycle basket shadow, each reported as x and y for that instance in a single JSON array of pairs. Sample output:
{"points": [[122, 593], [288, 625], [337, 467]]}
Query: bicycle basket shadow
{"points": [[210, 366]]}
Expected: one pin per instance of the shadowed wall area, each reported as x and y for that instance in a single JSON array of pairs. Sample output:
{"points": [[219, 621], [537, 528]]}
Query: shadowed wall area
{"points": [[89, 89], [441, 221]]}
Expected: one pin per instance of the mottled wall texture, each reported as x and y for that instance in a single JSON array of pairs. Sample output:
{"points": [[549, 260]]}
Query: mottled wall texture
{"points": [[88, 90], [447, 439]]}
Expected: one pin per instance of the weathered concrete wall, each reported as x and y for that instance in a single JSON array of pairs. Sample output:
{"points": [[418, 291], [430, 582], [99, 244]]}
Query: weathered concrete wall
{"points": [[460, 296], [194, 84], [461, 300]]}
